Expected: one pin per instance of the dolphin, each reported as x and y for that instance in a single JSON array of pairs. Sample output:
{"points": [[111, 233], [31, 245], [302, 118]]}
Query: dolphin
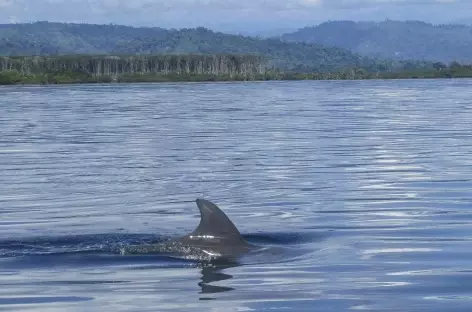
{"points": [[215, 237]]}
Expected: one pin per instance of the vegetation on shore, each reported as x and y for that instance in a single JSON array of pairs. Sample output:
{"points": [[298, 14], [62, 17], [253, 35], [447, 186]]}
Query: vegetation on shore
{"points": [[175, 67], [87, 68]]}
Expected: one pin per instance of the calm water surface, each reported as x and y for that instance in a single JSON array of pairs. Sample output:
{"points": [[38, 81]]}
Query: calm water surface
{"points": [[366, 186]]}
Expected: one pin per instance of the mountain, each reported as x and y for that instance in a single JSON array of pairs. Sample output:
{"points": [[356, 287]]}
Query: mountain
{"points": [[262, 33], [400, 40], [45, 38], [464, 21]]}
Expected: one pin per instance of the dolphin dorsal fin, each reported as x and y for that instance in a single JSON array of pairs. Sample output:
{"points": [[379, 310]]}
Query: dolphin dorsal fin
{"points": [[214, 222]]}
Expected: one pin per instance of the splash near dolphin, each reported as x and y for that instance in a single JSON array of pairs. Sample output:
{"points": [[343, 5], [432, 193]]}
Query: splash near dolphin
{"points": [[215, 237]]}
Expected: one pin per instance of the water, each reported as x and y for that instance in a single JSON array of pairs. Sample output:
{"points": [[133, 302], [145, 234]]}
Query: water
{"points": [[364, 186]]}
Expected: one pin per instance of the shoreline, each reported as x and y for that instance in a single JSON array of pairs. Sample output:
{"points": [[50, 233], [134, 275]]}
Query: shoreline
{"points": [[158, 81], [90, 69], [9, 78]]}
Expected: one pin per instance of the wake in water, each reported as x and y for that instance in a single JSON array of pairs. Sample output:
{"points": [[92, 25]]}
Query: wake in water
{"points": [[107, 249]]}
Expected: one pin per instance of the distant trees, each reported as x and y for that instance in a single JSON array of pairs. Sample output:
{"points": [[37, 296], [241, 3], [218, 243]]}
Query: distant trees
{"points": [[102, 68], [191, 67], [115, 66], [439, 66]]}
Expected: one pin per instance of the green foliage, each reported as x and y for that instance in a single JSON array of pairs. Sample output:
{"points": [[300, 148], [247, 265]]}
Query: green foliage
{"points": [[10, 77], [80, 67], [145, 68], [197, 68], [455, 70], [399, 40]]}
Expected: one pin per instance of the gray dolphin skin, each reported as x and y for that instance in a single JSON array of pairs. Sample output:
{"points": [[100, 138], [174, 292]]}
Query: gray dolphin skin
{"points": [[215, 237]]}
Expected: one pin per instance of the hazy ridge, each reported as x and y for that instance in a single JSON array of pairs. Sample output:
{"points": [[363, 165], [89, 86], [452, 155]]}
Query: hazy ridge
{"points": [[400, 40]]}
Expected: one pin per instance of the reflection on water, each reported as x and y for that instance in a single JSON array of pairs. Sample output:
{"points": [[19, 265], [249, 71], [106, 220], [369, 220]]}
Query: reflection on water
{"points": [[359, 190], [214, 273]]}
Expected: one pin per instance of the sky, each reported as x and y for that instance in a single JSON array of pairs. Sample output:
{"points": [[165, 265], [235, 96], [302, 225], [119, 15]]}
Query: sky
{"points": [[243, 16]]}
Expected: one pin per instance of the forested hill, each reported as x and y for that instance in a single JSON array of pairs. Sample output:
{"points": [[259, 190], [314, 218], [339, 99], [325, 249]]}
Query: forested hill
{"points": [[44, 38], [393, 39]]}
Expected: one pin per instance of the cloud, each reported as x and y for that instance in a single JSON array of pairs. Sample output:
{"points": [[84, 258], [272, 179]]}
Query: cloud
{"points": [[224, 14], [6, 3], [235, 5], [183, 5]]}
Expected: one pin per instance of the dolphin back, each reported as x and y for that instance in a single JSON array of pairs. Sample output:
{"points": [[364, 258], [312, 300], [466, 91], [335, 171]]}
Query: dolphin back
{"points": [[216, 236], [214, 223]]}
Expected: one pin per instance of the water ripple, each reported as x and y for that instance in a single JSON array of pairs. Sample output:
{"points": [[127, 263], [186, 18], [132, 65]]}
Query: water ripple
{"points": [[367, 184]]}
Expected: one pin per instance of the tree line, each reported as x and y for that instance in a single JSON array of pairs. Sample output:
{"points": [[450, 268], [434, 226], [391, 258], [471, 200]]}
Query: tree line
{"points": [[102, 68], [118, 65], [188, 67]]}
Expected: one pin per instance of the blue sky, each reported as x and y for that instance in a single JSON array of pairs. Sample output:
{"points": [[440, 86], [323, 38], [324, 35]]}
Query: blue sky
{"points": [[232, 15]]}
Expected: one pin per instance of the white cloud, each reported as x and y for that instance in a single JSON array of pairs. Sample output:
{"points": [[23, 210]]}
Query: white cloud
{"points": [[225, 14], [13, 19], [6, 3], [216, 4]]}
